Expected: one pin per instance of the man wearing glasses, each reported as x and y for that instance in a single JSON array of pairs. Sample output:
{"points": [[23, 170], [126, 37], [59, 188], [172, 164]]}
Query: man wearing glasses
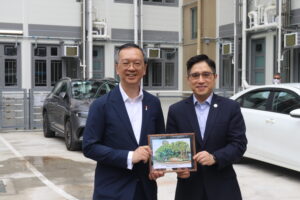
{"points": [[116, 133], [220, 136]]}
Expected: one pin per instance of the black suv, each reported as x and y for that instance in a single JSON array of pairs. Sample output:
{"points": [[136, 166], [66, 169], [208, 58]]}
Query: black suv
{"points": [[66, 108]]}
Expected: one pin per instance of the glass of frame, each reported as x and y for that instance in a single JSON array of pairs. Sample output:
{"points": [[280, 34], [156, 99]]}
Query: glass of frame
{"points": [[172, 152]]}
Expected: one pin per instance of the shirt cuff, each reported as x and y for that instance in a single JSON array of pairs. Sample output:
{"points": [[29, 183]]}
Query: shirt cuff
{"points": [[129, 160]]}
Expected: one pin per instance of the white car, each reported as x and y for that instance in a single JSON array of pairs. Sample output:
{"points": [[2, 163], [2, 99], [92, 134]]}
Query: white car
{"points": [[272, 117]]}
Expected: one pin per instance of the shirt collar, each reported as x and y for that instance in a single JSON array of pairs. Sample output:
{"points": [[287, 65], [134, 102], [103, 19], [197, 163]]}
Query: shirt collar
{"points": [[207, 101], [125, 97]]}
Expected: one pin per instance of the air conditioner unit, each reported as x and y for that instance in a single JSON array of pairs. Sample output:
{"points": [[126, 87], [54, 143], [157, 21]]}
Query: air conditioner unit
{"points": [[291, 40], [227, 48], [70, 51], [153, 53]]}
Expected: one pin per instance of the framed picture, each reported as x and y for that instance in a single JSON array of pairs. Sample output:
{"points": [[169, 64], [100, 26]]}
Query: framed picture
{"points": [[172, 152]]}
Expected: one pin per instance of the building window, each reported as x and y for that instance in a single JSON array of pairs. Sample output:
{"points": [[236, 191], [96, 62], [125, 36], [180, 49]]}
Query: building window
{"points": [[10, 72], [47, 65], [40, 73], [56, 71], [194, 22], [161, 73], [98, 62], [10, 50], [40, 51], [54, 51], [169, 74], [156, 74]]}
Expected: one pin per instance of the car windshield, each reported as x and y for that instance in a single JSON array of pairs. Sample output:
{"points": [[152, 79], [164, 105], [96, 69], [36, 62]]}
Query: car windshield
{"points": [[90, 89]]}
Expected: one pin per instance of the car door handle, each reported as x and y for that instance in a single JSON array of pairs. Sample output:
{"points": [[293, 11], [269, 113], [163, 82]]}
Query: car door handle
{"points": [[270, 121]]}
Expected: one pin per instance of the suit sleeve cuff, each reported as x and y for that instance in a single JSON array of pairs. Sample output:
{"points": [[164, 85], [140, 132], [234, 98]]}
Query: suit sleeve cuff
{"points": [[129, 160]]}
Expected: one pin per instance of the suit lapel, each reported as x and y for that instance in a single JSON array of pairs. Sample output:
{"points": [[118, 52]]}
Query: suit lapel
{"points": [[211, 119], [120, 108], [192, 117], [145, 118]]}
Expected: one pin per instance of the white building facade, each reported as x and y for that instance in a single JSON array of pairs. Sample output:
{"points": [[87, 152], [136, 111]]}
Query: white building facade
{"points": [[42, 41]]}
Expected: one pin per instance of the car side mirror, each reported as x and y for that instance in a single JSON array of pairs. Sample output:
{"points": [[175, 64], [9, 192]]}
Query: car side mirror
{"points": [[295, 113], [62, 94]]}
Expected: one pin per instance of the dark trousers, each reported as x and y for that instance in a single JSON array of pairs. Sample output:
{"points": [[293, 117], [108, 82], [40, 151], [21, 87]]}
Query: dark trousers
{"points": [[139, 192]]}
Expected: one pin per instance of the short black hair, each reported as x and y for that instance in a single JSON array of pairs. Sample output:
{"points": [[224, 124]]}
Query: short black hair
{"points": [[129, 45], [200, 58]]}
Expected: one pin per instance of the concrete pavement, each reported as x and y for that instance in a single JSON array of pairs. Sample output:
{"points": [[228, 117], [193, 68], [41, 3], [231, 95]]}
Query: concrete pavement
{"points": [[33, 167]]}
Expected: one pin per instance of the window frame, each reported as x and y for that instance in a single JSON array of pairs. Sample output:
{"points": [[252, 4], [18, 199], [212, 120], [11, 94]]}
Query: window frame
{"points": [[282, 90], [194, 22], [17, 59], [48, 59], [163, 60], [268, 104]]}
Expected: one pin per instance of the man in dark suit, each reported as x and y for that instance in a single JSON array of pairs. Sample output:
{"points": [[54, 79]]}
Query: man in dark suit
{"points": [[220, 136], [116, 133]]}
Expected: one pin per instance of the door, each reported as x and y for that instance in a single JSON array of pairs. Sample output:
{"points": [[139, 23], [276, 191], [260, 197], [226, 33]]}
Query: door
{"points": [[227, 74], [254, 108], [62, 105], [98, 62], [258, 62], [283, 130]]}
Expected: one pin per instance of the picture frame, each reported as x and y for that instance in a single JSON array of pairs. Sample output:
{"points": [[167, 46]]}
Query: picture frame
{"points": [[172, 152]]}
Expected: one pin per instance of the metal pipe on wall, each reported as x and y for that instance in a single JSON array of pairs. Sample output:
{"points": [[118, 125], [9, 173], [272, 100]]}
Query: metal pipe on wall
{"points": [[135, 21], [83, 39], [89, 40], [244, 45], [199, 24], [141, 24], [236, 46], [279, 35]]}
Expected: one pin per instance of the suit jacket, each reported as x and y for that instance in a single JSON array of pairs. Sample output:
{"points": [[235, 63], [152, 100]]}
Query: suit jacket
{"points": [[107, 139], [224, 137]]}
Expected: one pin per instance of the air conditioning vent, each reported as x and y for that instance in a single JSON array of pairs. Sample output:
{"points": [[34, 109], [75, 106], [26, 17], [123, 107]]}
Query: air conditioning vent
{"points": [[70, 51], [153, 53], [227, 48], [291, 40]]}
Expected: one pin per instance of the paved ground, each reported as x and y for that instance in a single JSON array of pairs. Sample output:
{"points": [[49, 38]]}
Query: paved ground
{"points": [[33, 168]]}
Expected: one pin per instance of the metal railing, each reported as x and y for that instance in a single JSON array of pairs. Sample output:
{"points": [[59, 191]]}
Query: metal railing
{"points": [[21, 109]]}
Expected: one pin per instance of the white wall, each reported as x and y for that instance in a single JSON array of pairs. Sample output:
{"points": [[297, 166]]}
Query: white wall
{"points": [[295, 4], [120, 15], [226, 12], [11, 11], [54, 12]]}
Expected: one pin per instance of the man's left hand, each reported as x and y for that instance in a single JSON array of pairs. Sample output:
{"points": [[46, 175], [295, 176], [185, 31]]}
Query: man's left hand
{"points": [[204, 158], [155, 174]]}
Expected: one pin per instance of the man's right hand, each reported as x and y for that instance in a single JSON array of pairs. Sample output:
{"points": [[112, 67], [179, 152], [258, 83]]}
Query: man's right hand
{"points": [[183, 173], [142, 153]]}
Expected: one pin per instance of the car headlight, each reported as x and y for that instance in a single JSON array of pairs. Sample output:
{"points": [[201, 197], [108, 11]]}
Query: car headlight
{"points": [[82, 114]]}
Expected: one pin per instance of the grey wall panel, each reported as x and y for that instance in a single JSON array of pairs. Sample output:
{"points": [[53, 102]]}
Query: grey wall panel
{"points": [[155, 36], [168, 36], [226, 30], [295, 16], [54, 31], [163, 3], [11, 26]]}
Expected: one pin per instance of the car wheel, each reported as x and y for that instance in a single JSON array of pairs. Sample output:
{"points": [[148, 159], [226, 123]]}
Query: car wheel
{"points": [[71, 143], [46, 127]]}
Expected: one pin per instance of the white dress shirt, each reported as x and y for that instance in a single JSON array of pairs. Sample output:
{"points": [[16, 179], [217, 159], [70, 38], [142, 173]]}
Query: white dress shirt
{"points": [[135, 112], [202, 110]]}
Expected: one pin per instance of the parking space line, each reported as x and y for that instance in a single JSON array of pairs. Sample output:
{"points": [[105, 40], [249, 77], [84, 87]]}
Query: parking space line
{"points": [[37, 173]]}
